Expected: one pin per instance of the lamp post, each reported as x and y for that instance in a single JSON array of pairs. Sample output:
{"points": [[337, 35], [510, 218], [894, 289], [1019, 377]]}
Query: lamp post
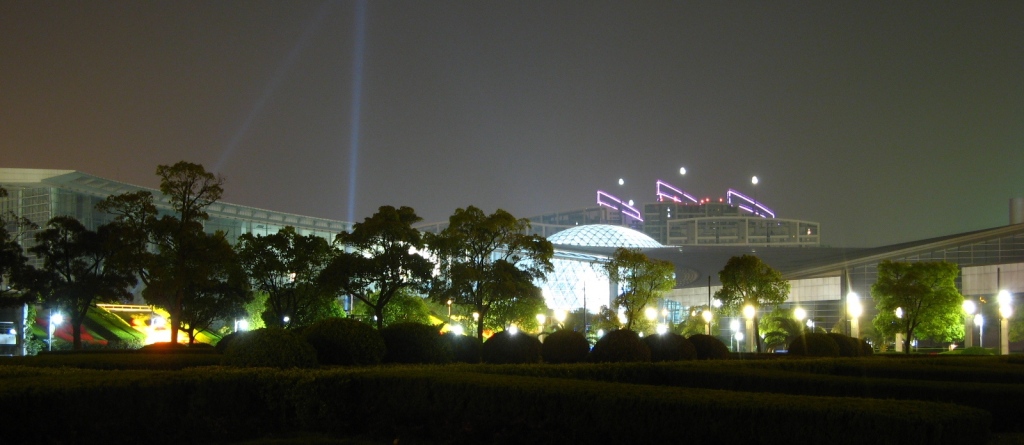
{"points": [[754, 181], [708, 316], [449, 311], [980, 321], [749, 312], [55, 319], [899, 335], [800, 314], [734, 325], [969, 308], [541, 318], [1005, 301], [854, 308], [560, 316]]}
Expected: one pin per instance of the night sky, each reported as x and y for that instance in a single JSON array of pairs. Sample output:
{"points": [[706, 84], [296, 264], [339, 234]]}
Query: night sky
{"points": [[884, 121]]}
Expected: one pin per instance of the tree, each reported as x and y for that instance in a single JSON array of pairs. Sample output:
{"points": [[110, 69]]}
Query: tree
{"points": [[14, 269], [927, 298], [381, 260], [487, 260], [167, 250], [219, 287], [405, 307], [746, 280], [287, 267], [641, 279], [81, 267]]}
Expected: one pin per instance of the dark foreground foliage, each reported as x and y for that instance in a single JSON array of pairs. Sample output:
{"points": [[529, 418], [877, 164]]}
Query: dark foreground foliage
{"points": [[506, 347], [449, 405], [621, 345], [565, 346]]}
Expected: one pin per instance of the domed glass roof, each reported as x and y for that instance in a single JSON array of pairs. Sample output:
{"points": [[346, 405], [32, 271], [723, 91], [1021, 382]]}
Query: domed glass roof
{"points": [[602, 235]]}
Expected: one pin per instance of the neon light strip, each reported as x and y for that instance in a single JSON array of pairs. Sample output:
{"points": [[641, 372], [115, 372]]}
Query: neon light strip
{"points": [[674, 197], [622, 207], [758, 205]]}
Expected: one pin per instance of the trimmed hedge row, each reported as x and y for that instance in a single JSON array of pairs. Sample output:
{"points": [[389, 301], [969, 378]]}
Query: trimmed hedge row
{"points": [[1004, 401], [436, 405]]}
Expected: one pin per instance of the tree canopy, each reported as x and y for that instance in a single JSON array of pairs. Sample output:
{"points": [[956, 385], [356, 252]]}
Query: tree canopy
{"points": [[287, 267], [381, 259], [641, 280], [13, 262], [170, 251], [746, 280], [926, 294], [488, 260], [80, 267]]}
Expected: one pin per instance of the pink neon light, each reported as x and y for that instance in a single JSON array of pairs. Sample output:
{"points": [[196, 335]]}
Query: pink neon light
{"points": [[758, 205], [674, 197], [622, 207]]}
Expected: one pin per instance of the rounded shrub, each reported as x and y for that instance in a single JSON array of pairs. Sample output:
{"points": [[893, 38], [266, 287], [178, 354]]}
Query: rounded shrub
{"points": [[814, 345], [621, 345], [865, 348], [708, 347], [506, 347], [269, 347], [848, 346], [565, 346], [226, 340], [345, 341], [411, 342], [464, 349], [670, 347]]}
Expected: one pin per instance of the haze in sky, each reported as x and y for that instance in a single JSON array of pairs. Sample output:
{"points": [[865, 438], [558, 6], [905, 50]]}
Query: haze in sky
{"points": [[884, 121]]}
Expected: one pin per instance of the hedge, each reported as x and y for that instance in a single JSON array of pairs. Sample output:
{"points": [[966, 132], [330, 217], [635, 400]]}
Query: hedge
{"points": [[448, 405]]}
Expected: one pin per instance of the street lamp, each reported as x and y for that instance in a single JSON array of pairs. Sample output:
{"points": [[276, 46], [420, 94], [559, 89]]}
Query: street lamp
{"points": [[899, 335], [541, 318], [734, 325], [682, 171], [800, 314], [1005, 301], [980, 321], [560, 316], [55, 319], [450, 311], [969, 308], [651, 313], [754, 181], [749, 312], [855, 309], [708, 316]]}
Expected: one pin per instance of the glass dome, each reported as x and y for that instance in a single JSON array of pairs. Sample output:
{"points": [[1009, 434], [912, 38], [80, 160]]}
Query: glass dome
{"points": [[603, 235]]}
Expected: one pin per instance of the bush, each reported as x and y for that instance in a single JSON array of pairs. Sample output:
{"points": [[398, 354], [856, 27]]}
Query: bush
{"points": [[464, 349], [865, 348], [411, 342], [708, 347], [226, 340], [345, 341], [814, 345], [163, 347], [621, 345], [848, 346], [505, 347], [565, 346], [269, 347], [670, 347]]}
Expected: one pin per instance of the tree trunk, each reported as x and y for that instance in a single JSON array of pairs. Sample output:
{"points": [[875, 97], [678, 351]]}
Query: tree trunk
{"points": [[757, 334], [175, 314], [76, 335], [378, 313]]}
